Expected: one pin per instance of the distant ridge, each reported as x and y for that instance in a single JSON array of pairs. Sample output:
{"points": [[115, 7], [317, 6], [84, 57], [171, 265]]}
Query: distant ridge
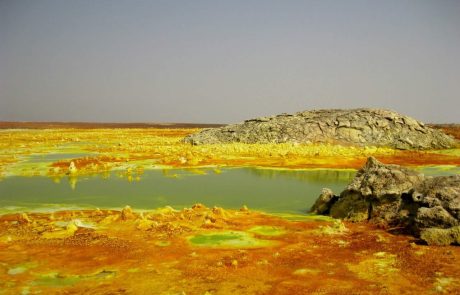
{"points": [[96, 125]]}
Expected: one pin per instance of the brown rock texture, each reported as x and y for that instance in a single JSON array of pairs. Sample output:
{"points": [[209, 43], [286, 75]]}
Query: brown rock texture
{"points": [[375, 127]]}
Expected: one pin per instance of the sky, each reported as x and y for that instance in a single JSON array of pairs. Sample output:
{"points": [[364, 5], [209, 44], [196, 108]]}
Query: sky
{"points": [[225, 61]]}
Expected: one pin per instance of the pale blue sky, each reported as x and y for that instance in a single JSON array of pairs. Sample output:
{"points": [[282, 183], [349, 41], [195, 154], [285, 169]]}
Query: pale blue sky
{"points": [[226, 61]]}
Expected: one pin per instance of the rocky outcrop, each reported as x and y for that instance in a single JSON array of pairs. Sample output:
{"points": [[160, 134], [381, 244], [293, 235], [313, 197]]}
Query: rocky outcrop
{"points": [[373, 127], [324, 202], [394, 196]]}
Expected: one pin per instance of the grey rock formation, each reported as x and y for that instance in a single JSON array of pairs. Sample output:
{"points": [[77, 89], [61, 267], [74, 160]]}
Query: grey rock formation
{"points": [[374, 127], [394, 196]]}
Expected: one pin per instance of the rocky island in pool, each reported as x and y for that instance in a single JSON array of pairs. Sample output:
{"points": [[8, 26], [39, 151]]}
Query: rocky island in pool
{"points": [[166, 209]]}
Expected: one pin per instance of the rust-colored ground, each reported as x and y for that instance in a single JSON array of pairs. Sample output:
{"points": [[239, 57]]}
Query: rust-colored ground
{"points": [[130, 253], [109, 252]]}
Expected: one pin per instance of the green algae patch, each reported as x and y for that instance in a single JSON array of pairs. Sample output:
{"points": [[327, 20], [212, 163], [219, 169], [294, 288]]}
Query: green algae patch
{"points": [[56, 280], [21, 268], [229, 239], [319, 218], [265, 230]]}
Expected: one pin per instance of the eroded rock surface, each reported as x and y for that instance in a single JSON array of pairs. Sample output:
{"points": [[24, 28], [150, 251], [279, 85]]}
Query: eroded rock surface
{"points": [[374, 127], [324, 202], [441, 236], [394, 196]]}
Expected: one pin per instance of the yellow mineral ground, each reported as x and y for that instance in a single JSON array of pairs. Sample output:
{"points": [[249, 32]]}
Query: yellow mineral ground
{"points": [[203, 250], [131, 150]]}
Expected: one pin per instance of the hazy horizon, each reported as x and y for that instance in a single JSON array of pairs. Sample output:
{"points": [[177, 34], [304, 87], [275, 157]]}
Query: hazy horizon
{"points": [[186, 122], [226, 61]]}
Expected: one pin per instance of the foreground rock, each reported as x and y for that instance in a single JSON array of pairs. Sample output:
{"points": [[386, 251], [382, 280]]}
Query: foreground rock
{"points": [[355, 126], [394, 196]]}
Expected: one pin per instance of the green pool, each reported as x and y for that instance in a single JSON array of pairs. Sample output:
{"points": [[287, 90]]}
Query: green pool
{"points": [[265, 189], [271, 190]]}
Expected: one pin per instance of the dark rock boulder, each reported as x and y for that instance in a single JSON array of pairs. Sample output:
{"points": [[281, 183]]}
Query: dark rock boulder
{"points": [[440, 191], [324, 202], [375, 193], [438, 202], [434, 217], [394, 196], [352, 207], [362, 127]]}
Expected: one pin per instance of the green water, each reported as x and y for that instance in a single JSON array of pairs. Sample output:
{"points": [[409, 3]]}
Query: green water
{"points": [[265, 189], [271, 190], [440, 170], [229, 239], [265, 230]]}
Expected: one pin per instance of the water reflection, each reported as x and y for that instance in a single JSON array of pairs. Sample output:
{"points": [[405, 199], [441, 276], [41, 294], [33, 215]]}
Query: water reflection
{"points": [[315, 175], [73, 182], [267, 189]]}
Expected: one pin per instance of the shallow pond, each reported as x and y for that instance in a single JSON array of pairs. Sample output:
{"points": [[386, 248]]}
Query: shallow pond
{"points": [[264, 189], [271, 190]]}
